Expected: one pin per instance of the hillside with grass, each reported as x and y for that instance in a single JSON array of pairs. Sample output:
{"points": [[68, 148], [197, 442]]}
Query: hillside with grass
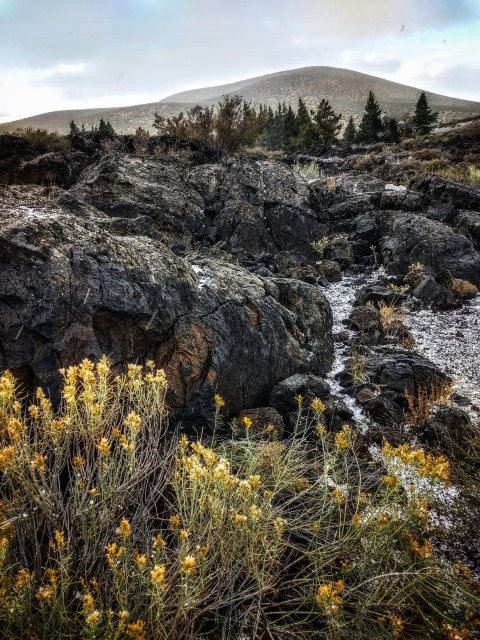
{"points": [[346, 91]]}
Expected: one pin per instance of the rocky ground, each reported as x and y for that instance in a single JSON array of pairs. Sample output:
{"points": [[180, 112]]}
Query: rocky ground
{"points": [[206, 266]]}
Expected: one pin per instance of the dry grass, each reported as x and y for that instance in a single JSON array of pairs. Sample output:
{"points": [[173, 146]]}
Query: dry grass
{"points": [[113, 528], [309, 170], [469, 174], [422, 400], [364, 162], [462, 288], [331, 184], [427, 154], [356, 366]]}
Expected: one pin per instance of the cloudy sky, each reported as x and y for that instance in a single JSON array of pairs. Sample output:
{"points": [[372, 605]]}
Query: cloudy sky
{"points": [[62, 54]]}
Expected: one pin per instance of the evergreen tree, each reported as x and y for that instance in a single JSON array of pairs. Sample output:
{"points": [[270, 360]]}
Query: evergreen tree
{"points": [[371, 125], [277, 131], [74, 130], [326, 123], [306, 131], [350, 133], [303, 117], [424, 119], [391, 131], [290, 128], [106, 129]]}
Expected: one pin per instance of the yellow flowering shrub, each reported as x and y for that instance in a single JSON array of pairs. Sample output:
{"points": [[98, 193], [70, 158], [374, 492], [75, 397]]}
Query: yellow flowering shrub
{"points": [[113, 526]]}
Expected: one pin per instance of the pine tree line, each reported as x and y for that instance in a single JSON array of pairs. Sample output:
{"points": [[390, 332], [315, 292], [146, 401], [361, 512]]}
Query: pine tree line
{"points": [[234, 123], [304, 129]]}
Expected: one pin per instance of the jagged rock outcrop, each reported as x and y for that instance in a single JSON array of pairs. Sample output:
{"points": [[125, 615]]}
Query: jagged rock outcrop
{"points": [[74, 285], [410, 238], [250, 206], [440, 190]]}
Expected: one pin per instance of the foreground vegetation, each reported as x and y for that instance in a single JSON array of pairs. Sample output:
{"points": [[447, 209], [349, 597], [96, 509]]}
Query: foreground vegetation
{"points": [[114, 526]]}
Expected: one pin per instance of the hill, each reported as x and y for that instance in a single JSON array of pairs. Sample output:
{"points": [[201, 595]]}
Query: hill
{"points": [[347, 91]]}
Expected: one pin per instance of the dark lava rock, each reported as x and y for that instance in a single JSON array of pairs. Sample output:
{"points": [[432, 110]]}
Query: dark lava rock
{"points": [[265, 420], [366, 320], [340, 250], [330, 270], [468, 223], [52, 168], [439, 190], [384, 410], [398, 370], [430, 292], [377, 293], [72, 288], [283, 394], [249, 205], [409, 238], [449, 429]]}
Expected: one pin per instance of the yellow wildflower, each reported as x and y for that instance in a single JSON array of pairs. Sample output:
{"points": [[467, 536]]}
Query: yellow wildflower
{"points": [[123, 615], [14, 428], [7, 455], [239, 519], [158, 542], [392, 482], [344, 438], [125, 444], [247, 422], [328, 596], [58, 541], [136, 630], [299, 398], [38, 462], [140, 559], [188, 565], [157, 575], [93, 618], [219, 401], [23, 579], [255, 512], [33, 412], [88, 602], [318, 405], [124, 529], [45, 594], [133, 422], [397, 625], [104, 447], [77, 462], [113, 553], [339, 496], [174, 521]]}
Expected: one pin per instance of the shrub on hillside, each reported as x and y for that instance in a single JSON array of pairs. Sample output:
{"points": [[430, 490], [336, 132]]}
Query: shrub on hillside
{"points": [[113, 527], [232, 124], [42, 140]]}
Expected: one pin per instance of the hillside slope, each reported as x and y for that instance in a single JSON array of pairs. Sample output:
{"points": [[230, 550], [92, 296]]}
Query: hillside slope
{"points": [[347, 91]]}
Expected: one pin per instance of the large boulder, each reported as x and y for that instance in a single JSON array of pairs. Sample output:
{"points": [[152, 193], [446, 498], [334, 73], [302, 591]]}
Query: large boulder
{"points": [[440, 190], [54, 168], [399, 370], [124, 186], [410, 238], [73, 285], [248, 205]]}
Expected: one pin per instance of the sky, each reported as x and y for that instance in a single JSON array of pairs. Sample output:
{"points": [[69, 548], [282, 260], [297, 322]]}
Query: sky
{"points": [[70, 54]]}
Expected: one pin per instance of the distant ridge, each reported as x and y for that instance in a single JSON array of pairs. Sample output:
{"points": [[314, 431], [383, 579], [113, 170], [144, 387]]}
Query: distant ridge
{"points": [[346, 90]]}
